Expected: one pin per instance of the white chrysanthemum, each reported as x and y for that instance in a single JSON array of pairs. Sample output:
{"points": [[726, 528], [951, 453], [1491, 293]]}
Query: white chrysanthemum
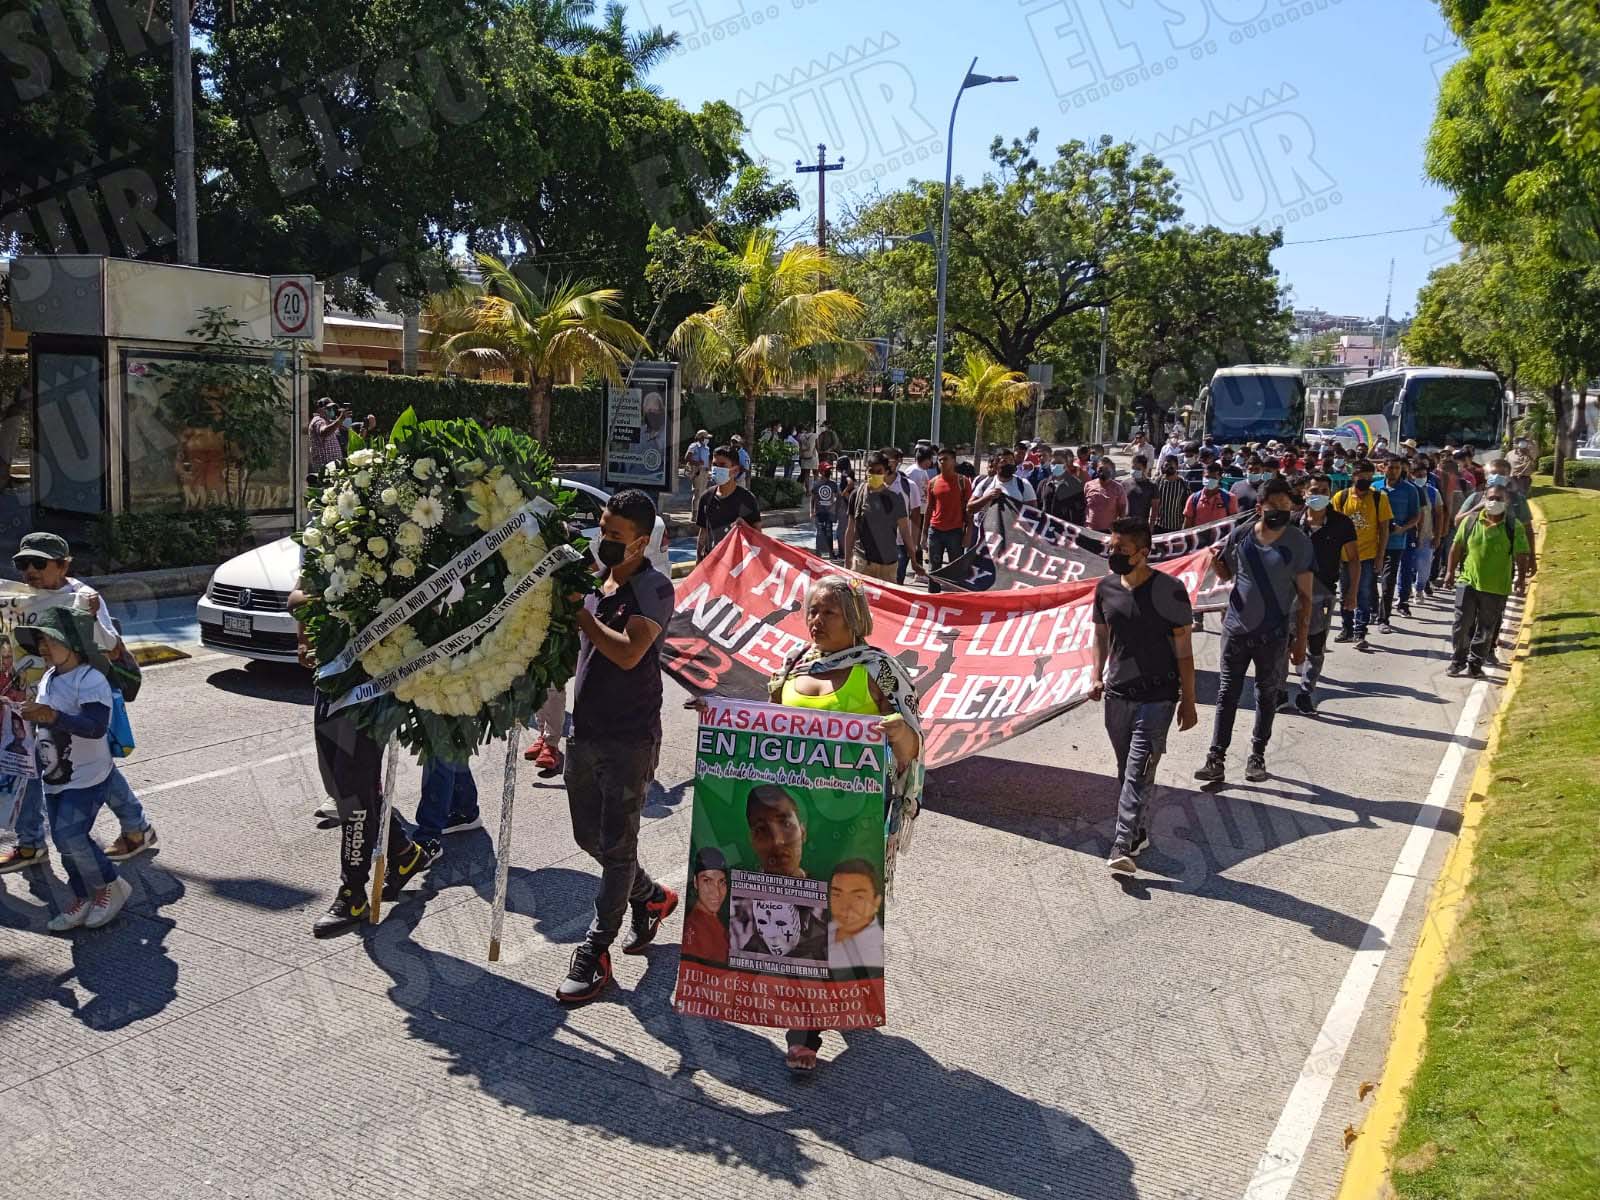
{"points": [[427, 512], [363, 479], [348, 504]]}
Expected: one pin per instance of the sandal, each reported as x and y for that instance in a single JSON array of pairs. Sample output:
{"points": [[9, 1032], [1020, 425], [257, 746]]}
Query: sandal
{"points": [[801, 1060]]}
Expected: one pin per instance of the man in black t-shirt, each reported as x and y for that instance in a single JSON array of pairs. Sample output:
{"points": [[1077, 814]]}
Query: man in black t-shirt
{"points": [[1144, 674], [616, 738], [727, 501], [1336, 553], [1061, 495], [825, 503], [1139, 489]]}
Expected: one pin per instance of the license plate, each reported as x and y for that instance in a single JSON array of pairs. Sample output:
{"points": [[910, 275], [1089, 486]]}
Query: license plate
{"points": [[233, 624]]}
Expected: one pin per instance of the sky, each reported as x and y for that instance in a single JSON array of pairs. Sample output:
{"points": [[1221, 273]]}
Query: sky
{"points": [[1309, 114]]}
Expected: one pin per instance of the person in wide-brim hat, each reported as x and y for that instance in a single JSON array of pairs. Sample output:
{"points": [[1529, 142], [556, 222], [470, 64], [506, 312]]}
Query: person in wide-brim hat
{"points": [[72, 627]]}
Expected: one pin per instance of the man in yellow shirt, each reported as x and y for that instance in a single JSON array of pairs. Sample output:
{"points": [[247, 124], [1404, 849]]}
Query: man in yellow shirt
{"points": [[1369, 511]]}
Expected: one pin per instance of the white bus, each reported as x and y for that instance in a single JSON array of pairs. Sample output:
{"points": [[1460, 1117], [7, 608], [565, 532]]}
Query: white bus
{"points": [[1434, 405], [1253, 404]]}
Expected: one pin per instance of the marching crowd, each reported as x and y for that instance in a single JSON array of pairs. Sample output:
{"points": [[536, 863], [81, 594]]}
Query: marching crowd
{"points": [[1366, 532]]}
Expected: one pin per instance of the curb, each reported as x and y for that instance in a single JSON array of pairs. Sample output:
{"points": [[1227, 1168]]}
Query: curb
{"points": [[153, 654], [1367, 1170]]}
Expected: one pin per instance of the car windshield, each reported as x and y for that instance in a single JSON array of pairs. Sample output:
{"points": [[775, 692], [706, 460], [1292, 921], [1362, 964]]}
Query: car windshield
{"points": [[1450, 410], [1256, 407]]}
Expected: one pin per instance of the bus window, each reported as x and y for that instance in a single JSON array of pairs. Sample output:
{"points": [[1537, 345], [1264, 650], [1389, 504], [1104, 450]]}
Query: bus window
{"points": [[1369, 398], [1245, 408], [1455, 411]]}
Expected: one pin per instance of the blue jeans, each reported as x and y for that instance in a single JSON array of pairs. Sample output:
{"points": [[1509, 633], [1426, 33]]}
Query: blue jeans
{"points": [[124, 804], [824, 535], [72, 814], [1138, 732], [447, 791], [1366, 600]]}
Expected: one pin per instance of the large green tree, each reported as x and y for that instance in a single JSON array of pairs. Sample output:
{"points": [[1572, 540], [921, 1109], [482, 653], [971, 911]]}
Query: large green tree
{"points": [[1517, 131], [1030, 245], [1190, 301]]}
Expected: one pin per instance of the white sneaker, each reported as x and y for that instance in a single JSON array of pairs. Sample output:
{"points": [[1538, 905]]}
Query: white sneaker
{"points": [[70, 917], [108, 902]]}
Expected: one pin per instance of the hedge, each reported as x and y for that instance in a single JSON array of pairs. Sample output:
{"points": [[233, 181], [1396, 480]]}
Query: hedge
{"points": [[575, 422], [1581, 472]]}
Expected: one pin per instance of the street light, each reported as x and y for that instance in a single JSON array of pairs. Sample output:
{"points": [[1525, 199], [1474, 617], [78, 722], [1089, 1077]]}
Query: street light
{"points": [[970, 80]]}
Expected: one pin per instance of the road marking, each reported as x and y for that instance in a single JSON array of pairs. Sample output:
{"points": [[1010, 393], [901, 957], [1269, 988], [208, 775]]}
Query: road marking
{"points": [[219, 774], [1286, 1149]]}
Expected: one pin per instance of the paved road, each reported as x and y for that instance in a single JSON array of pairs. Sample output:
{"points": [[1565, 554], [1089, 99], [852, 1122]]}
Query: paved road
{"points": [[1053, 1033]]}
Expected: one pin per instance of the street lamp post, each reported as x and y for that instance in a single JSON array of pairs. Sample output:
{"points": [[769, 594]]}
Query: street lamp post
{"points": [[970, 80]]}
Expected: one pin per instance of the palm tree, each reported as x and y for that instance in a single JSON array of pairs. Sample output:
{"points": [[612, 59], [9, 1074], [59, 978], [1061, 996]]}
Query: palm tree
{"points": [[543, 332], [779, 326], [988, 388]]}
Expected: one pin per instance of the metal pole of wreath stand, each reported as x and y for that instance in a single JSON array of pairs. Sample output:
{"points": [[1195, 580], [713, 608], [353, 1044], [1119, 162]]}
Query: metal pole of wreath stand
{"points": [[502, 867]]}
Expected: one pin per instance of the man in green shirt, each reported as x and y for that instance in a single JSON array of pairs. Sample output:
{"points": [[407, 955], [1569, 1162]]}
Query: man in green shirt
{"points": [[1482, 554]]}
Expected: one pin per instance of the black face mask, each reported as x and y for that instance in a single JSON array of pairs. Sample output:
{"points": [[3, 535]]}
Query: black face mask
{"points": [[611, 554], [1007, 470], [1120, 564], [1363, 485], [1276, 518]]}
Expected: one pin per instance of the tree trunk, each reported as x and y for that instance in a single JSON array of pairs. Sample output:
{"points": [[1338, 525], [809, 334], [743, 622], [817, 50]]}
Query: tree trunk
{"points": [[750, 426], [977, 438], [1558, 405], [538, 408]]}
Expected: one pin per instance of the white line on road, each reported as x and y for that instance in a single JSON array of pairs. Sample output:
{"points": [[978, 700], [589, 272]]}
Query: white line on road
{"points": [[249, 766], [1286, 1149]]}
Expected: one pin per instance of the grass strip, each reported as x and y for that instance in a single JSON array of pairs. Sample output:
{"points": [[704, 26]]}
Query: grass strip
{"points": [[1506, 1103]]}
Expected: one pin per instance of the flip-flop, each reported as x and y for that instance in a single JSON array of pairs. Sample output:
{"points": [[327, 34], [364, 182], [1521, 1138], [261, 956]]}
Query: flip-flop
{"points": [[801, 1060]]}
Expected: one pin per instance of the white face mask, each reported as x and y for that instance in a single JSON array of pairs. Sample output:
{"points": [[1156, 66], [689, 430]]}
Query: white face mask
{"points": [[1494, 508], [778, 924]]}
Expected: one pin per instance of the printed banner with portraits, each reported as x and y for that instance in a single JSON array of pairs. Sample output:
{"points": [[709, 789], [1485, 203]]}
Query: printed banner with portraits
{"points": [[783, 921], [19, 680]]}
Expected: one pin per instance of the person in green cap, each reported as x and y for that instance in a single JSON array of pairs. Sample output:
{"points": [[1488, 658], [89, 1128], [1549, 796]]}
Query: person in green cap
{"points": [[71, 713], [44, 561]]}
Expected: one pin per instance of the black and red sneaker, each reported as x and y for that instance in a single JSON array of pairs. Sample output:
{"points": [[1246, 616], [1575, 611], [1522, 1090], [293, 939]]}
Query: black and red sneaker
{"points": [[587, 976], [647, 918]]}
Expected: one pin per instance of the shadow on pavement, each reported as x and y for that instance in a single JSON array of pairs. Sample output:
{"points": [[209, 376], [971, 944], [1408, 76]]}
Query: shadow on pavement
{"points": [[1195, 835], [938, 1118], [279, 683]]}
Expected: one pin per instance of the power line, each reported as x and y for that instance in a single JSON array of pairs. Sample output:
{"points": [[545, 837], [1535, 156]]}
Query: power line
{"points": [[1349, 237]]}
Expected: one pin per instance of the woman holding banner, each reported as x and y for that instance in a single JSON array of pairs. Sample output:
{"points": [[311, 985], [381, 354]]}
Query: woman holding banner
{"points": [[840, 672]]}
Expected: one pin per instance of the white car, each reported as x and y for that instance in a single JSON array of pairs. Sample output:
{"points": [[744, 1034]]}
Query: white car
{"points": [[245, 609]]}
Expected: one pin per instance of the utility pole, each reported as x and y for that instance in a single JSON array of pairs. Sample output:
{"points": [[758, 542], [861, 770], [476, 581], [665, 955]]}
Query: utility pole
{"points": [[821, 171], [1383, 338], [183, 135], [1100, 378]]}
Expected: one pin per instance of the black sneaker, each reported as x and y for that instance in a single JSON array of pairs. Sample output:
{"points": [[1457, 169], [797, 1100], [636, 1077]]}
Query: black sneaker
{"points": [[1213, 771], [1255, 768], [1475, 670], [1403, 609], [586, 977], [1362, 643], [1345, 636], [423, 854], [346, 912], [1385, 627], [327, 817], [1456, 669], [1305, 704], [647, 918], [1141, 842], [462, 823], [1492, 659]]}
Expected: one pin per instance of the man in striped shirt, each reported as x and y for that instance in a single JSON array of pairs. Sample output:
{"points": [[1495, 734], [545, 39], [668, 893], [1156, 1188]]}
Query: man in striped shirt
{"points": [[1172, 493]]}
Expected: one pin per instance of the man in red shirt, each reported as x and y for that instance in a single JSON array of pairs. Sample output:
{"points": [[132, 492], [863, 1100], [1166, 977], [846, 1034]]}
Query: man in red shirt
{"points": [[1104, 500], [949, 522], [1210, 503]]}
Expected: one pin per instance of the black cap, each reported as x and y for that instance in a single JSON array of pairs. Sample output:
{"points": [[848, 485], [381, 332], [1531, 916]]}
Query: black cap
{"points": [[44, 546]]}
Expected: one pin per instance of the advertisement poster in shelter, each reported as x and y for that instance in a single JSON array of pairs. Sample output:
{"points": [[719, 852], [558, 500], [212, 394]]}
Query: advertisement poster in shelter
{"points": [[642, 429], [783, 922]]}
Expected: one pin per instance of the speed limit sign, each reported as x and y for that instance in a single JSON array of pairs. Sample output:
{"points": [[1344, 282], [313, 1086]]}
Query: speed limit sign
{"points": [[292, 299]]}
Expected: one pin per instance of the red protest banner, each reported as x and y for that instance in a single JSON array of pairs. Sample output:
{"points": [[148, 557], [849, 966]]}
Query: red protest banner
{"points": [[988, 665]]}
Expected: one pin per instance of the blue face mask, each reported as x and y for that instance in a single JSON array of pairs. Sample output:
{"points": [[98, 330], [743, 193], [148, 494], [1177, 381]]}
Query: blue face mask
{"points": [[1317, 503], [719, 475], [1057, 470], [1494, 480], [1256, 476]]}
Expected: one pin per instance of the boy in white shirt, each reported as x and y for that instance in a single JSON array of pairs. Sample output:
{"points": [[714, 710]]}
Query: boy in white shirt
{"points": [[71, 715], [44, 560]]}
